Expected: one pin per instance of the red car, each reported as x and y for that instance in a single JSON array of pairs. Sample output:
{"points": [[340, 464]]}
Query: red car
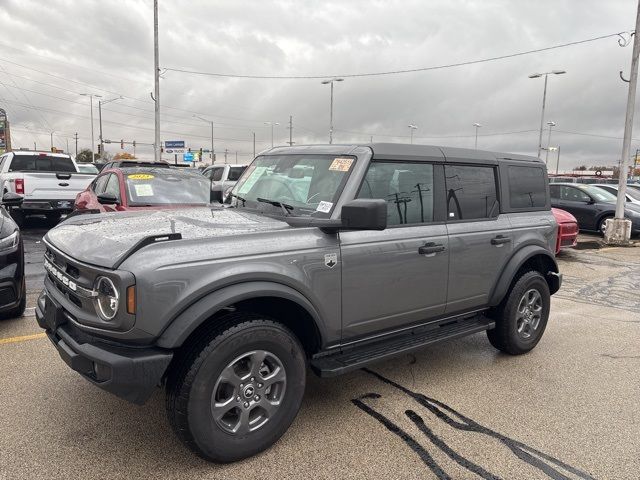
{"points": [[567, 229], [143, 188]]}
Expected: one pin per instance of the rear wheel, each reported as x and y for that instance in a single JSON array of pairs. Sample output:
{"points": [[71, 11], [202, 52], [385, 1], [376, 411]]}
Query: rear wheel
{"points": [[236, 392], [602, 226], [522, 316]]}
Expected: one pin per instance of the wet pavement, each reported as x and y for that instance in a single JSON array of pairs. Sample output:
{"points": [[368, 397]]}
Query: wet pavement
{"points": [[461, 410]]}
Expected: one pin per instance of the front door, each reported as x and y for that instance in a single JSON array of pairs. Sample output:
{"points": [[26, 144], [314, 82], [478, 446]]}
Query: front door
{"points": [[575, 201], [396, 277]]}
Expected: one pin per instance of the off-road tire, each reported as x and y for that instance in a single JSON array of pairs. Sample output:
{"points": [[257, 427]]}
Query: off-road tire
{"points": [[505, 336], [195, 371]]}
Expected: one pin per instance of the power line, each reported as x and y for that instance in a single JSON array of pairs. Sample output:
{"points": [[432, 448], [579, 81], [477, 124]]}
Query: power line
{"points": [[392, 72]]}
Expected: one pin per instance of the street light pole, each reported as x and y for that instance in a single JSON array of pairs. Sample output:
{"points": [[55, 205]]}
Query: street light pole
{"points": [[477, 125], [325, 82], [212, 150], [551, 125], [412, 127], [544, 99], [156, 68], [618, 230], [51, 149], [100, 103], [272, 124], [93, 145]]}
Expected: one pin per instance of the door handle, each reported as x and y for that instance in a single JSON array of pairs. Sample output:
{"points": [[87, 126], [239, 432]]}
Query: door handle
{"points": [[431, 248], [500, 240]]}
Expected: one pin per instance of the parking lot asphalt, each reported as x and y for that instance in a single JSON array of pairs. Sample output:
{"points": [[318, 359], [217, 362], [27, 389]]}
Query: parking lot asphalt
{"points": [[568, 409]]}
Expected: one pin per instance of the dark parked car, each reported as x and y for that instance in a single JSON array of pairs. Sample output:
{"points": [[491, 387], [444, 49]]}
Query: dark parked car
{"points": [[591, 206], [122, 189], [13, 294]]}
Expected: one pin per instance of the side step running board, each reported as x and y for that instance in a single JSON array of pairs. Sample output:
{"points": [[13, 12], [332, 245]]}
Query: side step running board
{"points": [[356, 357]]}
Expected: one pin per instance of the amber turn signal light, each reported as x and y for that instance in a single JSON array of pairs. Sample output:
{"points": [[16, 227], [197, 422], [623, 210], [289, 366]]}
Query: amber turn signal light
{"points": [[131, 299]]}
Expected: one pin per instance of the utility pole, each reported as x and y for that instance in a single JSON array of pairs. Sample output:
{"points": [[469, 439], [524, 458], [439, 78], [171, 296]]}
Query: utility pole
{"points": [[75, 136], [93, 143], [51, 149], [254, 144], [100, 103], [558, 161], [618, 230], [290, 130], [225, 156], [236, 158], [477, 125], [412, 127], [156, 75], [35, 147], [271, 124], [67, 145]]}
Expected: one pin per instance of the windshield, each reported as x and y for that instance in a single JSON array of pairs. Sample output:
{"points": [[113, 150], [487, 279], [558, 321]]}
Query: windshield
{"points": [[307, 184], [600, 194], [146, 188]]}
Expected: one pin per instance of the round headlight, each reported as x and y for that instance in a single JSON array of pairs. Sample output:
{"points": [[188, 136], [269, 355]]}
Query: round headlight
{"points": [[107, 299]]}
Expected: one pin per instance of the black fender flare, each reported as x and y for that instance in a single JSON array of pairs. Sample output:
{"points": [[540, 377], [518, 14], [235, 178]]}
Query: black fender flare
{"points": [[517, 260], [201, 310]]}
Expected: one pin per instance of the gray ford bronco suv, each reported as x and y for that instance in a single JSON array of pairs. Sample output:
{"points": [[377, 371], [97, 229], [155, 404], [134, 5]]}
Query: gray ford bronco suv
{"points": [[330, 257]]}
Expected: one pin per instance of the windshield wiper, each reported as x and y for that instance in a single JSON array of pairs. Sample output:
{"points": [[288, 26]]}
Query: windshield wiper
{"points": [[239, 198], [285, 207]]}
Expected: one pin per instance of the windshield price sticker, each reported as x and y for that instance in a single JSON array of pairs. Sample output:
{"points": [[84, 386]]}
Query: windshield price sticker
{"points": [[341, 164], [140, 176], [143, 190], [324, 207]]}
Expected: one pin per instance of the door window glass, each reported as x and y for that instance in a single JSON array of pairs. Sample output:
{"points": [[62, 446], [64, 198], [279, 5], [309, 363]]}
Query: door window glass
{"points": [[406, 187], [572, 194], [527, 187], [471, 192], [113, 186], [554, 191], [234, 173], [217, 174], [99, 184]]}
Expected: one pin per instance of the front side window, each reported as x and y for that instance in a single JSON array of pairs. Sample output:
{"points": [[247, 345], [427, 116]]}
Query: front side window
{"points": [[234, 173], [308, 185], [113, 186], [99, 184], [216, 174], [527, 188], [572, 194], [471, 192], [406, 187]]}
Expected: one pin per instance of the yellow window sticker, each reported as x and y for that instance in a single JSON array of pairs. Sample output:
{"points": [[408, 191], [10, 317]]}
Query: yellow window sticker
{"points": [[143, 190], [140, 176], [341, 164]]}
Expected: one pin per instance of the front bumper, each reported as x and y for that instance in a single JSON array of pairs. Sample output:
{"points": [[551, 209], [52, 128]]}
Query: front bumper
{"points": [[12, 278], [131, 373]]}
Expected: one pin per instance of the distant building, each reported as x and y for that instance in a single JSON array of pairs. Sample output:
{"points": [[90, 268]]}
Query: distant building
{"points": [[5, 135]]}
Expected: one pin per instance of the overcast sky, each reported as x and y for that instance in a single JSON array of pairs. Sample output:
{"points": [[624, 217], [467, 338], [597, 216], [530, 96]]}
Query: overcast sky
{"points": [[51, 52]]}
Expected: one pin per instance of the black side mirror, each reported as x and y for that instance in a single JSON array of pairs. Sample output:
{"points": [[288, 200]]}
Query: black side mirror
{"points": [[11, 199], [364, 214], [107, 199]]}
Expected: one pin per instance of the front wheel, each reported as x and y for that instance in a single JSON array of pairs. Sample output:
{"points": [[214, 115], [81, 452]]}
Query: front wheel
{"points": [[236, 392], [522, 316]]}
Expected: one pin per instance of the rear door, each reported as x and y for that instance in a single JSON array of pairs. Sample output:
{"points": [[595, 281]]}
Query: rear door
{"points": [[398, 276], [480, 238]]}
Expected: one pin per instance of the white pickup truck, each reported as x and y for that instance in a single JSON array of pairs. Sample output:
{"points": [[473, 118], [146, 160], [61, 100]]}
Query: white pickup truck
{"points": [[49, 182]]}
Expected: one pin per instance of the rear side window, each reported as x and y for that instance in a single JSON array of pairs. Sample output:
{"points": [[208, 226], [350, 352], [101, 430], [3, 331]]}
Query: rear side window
{"points": [[527, 187], [217, 174], [471, 192], [41, 163], [234, 173]]}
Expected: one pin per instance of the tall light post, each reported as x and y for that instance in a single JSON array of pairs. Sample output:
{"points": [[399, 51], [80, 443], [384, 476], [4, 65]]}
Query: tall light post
{"points": [[52, 141], [331, 82], [477, 125], [412, 127], [100, 103], [93, 145], [544, 99], [272, 124], [551, 125], [211, 122], [156, 77]]}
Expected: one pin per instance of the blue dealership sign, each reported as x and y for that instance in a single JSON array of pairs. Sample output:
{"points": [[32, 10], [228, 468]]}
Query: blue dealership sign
{"points": [[187, 157], [174, 144]]}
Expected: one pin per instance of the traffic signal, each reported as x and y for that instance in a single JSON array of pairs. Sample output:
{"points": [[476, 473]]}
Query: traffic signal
{"points": [[121, 144], [200, 153], [134, 144], [99, 149]]}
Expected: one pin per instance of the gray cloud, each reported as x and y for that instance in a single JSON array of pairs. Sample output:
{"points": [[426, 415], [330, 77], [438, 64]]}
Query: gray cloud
{"points": [[106, 46]]}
